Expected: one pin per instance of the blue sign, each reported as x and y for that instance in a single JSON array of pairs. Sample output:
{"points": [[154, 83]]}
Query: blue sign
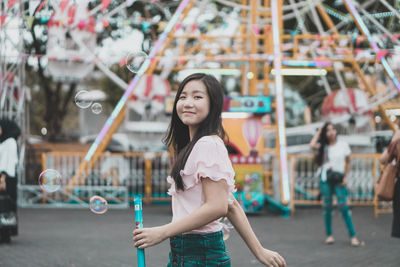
{"points": [[249, 104]]}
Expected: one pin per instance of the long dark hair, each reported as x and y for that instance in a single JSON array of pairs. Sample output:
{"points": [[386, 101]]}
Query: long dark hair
{"points": [[9, 130], [323, 141], [177, 135]]}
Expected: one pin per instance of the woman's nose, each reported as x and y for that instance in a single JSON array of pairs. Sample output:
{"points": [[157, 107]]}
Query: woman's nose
{"points": [[188, 102]]}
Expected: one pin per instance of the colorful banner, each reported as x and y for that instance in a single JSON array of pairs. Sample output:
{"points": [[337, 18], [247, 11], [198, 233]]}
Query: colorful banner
{"points": [[250, 104]]}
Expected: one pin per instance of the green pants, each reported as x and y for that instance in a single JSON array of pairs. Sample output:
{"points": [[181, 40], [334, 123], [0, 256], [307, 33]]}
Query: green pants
{"points": [[198, 250], [327, 192]]}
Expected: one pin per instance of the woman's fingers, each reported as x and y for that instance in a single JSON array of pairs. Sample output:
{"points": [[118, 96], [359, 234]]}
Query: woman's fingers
{"points": [[281, 261], [277, 260]]}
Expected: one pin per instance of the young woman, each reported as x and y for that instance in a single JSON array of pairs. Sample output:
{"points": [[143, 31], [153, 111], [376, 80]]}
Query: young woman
{"points": [[202, 183], [385, 157], [333, 156]]}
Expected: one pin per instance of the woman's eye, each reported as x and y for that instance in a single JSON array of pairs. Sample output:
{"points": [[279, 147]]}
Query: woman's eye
{"points": [[182, 97], [198, 97]]}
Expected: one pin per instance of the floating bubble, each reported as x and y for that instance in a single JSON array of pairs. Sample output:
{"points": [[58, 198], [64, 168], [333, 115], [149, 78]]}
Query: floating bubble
{"points": [[134, 61], [97, 108], [226, 227], [50, 180], [225, 231], [227, 223], [98, 205], [81, 99]]}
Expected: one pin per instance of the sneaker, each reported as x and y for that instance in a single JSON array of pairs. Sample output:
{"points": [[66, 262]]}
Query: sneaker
{"points": [[329, 240], [354, 242]]}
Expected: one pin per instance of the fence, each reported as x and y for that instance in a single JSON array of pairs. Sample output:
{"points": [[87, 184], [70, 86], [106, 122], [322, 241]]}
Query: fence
{"points": [[118, 177], [361, 182], [121, 176]]}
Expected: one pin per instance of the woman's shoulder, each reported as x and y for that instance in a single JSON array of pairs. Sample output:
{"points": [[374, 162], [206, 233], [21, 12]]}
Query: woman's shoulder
{"points": [[209, 142], [213, 139], [9, 142], [343, 145]]}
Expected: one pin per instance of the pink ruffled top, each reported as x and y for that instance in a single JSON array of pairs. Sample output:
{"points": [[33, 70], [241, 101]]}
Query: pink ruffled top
{"points": [[208, 159]]}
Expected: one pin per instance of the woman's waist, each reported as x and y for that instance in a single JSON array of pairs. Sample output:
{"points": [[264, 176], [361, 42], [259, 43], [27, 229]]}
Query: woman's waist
{"points": [[197, 243], [332, 167], [198, 235], [211, 227]]}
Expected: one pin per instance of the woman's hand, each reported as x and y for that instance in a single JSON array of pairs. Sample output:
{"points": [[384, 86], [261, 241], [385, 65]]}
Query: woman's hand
{"points": [[344, 181], [3, 182], [3, 186], [147, 237], [314, 141], [270, 258]]}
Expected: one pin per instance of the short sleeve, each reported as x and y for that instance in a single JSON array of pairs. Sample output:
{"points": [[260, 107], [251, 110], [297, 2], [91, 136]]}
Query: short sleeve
{"points": [[346, 149], [209, 159], [8, 157]]}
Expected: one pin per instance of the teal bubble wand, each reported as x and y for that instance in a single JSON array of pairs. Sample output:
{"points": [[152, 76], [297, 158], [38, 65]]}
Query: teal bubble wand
{"points": [[139, 224]]}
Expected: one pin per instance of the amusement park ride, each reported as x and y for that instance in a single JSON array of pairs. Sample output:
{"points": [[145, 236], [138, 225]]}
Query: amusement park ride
{"points": [[260, 47]]}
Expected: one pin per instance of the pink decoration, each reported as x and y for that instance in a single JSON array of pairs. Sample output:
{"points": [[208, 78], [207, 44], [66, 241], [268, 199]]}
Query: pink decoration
{"points": [[81, 24], [255, 29], [380, 54], [252, 130], [336, 105], [105, 4], [2, 19], [11, 3]]}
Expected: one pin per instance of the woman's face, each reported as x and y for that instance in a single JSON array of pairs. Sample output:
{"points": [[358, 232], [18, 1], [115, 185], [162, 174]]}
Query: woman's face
{"points": [[193, 104], [331, 133]]}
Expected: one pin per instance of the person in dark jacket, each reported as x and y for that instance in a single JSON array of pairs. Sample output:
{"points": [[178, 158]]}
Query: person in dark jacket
{"points": [[9, 133]]}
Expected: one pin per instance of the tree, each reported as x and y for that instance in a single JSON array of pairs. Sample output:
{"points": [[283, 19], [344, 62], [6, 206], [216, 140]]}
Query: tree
{"points": [[55, 98], [52, 100]]}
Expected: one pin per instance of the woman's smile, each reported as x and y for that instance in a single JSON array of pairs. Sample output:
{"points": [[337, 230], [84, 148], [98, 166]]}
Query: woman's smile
{"points": [[193, 104]]}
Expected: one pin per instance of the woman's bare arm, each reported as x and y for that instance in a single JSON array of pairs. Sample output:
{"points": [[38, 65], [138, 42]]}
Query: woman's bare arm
{"points": [[385, 155], [314, 141], [239, 220], [215, 207]]}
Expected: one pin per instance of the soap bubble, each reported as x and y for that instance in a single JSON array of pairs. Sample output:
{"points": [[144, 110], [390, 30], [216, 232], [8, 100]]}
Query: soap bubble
{"points": [[81, 99], [134, 61], [50, 180], [226, 227], [98, 205], [97, 108]]}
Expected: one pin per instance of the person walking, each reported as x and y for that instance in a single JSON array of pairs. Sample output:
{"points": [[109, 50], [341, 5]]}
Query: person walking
{"points": [[202, 183], [333, 158], [389, 154], [9, 133]]}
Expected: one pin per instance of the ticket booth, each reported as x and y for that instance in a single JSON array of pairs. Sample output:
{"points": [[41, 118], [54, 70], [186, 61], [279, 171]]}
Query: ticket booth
{"points": [[243, 122]]}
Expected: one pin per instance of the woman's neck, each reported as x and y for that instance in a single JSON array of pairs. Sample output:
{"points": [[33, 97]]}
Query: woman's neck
{"points": [[333, 142]]}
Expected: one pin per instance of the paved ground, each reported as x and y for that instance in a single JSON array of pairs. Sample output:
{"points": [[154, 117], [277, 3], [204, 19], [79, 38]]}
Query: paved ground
{"points": [[55, 237]]}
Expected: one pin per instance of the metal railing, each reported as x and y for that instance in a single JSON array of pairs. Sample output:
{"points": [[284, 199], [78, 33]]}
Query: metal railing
{"points": [[121, 176], [362, 179], [118, 177]]}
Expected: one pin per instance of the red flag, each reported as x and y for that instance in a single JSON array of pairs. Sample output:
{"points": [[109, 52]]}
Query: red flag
{"points": [[71, 14], [2, 19], [123, 62], [63, 5], [381, 54], [40, 6], [11, 3], [105, 4], [395, 37]]}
